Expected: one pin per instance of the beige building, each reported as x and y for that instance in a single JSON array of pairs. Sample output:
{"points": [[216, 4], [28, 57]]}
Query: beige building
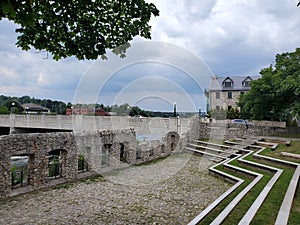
{"points": [[224, 92]]}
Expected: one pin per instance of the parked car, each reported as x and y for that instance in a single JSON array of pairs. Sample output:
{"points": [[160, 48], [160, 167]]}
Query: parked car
{"points": [[138, 116], [241, 121]]}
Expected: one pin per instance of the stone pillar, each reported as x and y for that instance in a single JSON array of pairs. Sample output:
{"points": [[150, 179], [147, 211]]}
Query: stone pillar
{"points": [[172, 141], [12, 119], [69, 163], [37, 170], [5, 174]]}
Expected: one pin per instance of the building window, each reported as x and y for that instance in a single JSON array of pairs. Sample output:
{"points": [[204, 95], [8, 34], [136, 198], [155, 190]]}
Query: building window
{"points": [[242, 92], [227, 84], [229, 108], [218, 108], [217, 95], [246, 83], [230, 95]]}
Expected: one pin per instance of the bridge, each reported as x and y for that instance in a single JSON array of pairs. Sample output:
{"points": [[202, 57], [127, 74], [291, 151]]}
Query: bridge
{"points": [[15, 123]]}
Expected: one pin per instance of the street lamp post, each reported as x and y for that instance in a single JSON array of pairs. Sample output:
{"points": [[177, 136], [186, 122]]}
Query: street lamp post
{"points": [[199, 112], [12, 119], [175, 113], [12, 109]]}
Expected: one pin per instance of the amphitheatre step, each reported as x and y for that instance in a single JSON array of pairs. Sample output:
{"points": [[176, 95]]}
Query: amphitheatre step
{"points": [[284, 211], [237, 199], [223, 147], [257, 177], [209, 149], [204, 153], [259, 145]]}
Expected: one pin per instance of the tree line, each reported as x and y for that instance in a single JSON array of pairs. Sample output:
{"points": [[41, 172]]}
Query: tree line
{"points": [[276, 95], [59, 107], [6, 104]]}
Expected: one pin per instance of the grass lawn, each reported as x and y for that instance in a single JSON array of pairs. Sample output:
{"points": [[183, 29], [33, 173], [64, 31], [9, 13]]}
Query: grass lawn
{"points": [[293, 148], [268, 211], [271, 205], [288, 135]]}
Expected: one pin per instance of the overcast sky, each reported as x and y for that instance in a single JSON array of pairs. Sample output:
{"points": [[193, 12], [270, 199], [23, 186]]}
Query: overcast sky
{"points": [[237, 37]]}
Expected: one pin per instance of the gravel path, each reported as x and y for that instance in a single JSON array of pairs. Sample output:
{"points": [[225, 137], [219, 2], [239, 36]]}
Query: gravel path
{"points": [[172, 191]]}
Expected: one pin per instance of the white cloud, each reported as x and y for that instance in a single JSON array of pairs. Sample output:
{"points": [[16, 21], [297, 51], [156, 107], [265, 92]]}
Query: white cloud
{"points": [[236, 37], [230, 35]]}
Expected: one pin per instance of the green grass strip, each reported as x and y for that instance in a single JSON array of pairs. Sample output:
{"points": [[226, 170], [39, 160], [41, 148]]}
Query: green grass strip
{"points": [[272, 203], [296, 135], [268, 211], [294, 148], [217, 210], [295, 211], [242, 207]]}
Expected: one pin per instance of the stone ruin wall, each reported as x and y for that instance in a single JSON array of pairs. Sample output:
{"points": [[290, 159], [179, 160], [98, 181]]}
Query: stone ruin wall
{"points": [[227, 131], [103, 150]]}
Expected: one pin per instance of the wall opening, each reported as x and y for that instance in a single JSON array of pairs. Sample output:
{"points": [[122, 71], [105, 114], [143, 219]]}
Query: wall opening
{"points": [[123, 153], [151, 152], [138, 153], [106, 149], [172, 142], [82, 164], [54, 164], [19, 171], [162, 148]]}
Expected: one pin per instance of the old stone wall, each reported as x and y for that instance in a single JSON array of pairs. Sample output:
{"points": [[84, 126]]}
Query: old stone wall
{"points": [[105, 150], [102, 151], [150, 150], [225, 130], [37, 147]]}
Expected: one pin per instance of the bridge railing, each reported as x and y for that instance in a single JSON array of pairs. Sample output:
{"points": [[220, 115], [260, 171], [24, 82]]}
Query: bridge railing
{"points": [[92, 123]]}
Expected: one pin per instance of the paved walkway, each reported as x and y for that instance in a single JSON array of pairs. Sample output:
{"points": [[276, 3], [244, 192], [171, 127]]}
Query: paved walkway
{"points": [[138, 195]]}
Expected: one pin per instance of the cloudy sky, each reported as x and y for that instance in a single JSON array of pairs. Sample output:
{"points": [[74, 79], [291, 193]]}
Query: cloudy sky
{"points": [[203, 38]]}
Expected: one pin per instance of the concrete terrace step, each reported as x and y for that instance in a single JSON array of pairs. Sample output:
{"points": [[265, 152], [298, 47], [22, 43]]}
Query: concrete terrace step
{"points": [[213, 150], [223, 147], [283, 214], [204, 153], [217, 155], [236, 200]]}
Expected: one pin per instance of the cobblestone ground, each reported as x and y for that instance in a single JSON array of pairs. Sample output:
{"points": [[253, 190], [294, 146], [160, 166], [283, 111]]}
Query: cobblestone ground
{"points": [[147, 194]]}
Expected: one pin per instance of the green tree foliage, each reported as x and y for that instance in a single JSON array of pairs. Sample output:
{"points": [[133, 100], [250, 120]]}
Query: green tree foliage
{"points": [[134, 111], [276, 95], [233, 113], [84, 29], [13, 105], [218, 114], [56, 107], [4, 110]]}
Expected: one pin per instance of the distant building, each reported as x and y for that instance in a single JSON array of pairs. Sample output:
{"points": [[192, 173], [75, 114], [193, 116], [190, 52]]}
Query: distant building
{"points": [[86, 111], [31, 108], [224, 92]]}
